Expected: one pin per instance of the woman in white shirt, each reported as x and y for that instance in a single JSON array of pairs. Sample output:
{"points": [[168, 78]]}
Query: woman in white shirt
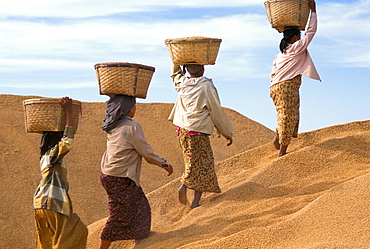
{"points": [[130, 214], [196, 113]]}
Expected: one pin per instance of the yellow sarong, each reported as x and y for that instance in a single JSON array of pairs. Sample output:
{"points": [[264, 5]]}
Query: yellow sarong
{"points": [[58, 231]]}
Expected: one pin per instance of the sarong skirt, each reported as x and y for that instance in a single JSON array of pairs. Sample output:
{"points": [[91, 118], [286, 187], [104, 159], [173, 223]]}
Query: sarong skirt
{"points": [[56, 230], [285, 96], [129, 210], [199, 173]]}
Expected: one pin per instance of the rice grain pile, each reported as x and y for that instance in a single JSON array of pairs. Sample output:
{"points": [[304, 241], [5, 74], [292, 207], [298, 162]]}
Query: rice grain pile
{"points": [[317, 196], [20, 173]]}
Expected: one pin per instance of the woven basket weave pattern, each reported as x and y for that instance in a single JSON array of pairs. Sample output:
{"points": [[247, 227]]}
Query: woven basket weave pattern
{"points": [[287, 13], [200, 50], [124, 78], [48, 115]]}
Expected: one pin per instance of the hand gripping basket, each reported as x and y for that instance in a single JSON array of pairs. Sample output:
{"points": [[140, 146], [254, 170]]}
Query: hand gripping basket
{"points": [[193, 50], [287, 13], [47, 114], [124, 78]]}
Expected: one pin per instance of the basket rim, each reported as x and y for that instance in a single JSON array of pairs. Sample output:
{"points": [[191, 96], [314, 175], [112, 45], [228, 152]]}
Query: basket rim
{"points": [[124, 64], [48, 101], [274, 1], [192, 39]]}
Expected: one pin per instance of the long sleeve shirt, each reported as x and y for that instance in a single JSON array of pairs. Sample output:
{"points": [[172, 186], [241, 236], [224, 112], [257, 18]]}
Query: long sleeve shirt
{"points": [[198, 107], [296, 60], [52, 192], [126, 146]]}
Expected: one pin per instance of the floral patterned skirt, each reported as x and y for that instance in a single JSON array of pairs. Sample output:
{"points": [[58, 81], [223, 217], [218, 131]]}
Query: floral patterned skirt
{"points": [[285, 96], [130, 214], [199, 173]]}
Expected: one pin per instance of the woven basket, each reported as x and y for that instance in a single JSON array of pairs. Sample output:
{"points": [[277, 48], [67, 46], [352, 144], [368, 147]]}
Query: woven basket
{"points": [[47, 114], [124, 78], [193, 50], [287, 13]]}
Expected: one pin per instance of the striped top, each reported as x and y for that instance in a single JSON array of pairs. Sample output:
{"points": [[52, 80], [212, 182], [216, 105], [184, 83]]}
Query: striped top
{"points": [[52, 193]]}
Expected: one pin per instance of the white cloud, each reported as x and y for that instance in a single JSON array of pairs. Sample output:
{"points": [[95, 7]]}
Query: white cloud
{"points": [[84, 8], [34, 65], [92, 39], [246, 50], [343, 35], [361, 59], [55, 85], [49, 48]]}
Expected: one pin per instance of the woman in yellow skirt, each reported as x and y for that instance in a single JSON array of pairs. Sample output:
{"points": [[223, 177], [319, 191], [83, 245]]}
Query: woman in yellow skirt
{"points": [[57, 226]]}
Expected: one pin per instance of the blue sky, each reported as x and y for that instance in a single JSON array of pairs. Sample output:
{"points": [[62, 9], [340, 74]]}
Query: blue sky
{"points": [[49, 48]]}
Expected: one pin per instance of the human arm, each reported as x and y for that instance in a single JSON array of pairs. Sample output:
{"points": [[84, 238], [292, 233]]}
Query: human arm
{"points": [[145, 150], [57, 152], [301, 45], [62, 148], [218, 115], [167, 167], [66, 102], [312, 5], [177, 75]]}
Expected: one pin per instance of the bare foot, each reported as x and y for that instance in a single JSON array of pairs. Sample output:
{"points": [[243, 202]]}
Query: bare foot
{"points": [[195, 206], [182, 194], [282, 151], [197, 196], [275, 142], [137, 241]]}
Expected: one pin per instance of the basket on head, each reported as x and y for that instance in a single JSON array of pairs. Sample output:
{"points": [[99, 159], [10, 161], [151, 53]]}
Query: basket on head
{"points": [[197, 50], [47, 114], [124, 78], [287, 13]]}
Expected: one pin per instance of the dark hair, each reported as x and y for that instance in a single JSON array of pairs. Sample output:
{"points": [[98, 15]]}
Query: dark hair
{"points": [[288, 35], [193, 69], [49, 140]]}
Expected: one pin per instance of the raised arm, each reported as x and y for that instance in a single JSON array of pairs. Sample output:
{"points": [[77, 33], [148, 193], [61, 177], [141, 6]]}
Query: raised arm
{"points": [[177, 74], [66, 102], [312, 5], [301, 45]]}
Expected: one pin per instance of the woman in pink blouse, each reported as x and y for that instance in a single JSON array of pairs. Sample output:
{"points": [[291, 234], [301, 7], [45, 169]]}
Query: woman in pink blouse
{"points": [[288, 67]]}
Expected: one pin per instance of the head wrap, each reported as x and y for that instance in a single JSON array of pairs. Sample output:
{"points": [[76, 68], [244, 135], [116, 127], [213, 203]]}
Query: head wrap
{"points": [[117, 107]]}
